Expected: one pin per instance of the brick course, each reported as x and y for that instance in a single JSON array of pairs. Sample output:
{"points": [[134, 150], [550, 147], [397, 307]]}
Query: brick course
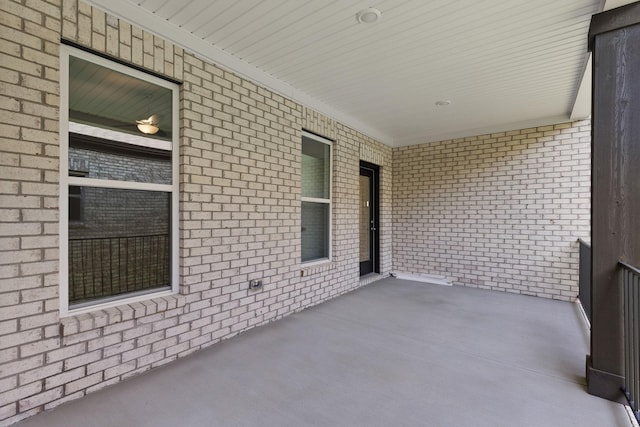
{"points": [[500, 211]]}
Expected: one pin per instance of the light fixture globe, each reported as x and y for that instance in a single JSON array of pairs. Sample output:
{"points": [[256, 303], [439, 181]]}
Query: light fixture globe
{"points": [[148, 126], [369, 15]]}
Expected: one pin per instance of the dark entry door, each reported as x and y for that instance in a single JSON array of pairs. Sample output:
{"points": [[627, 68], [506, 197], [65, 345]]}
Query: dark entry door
{"points": [[369, 217]]}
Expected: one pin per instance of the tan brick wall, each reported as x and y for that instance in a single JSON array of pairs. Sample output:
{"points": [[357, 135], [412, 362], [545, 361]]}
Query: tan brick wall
{"points": [[239, 202], [28, 203], [500, 211], [319, 124]]}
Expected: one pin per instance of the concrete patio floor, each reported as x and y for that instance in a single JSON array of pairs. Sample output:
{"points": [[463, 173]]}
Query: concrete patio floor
{"points": [[394, 353]]}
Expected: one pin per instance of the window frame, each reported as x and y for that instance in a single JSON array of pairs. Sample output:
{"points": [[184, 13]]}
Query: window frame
{"points": [[65, 181], [329, 201]]}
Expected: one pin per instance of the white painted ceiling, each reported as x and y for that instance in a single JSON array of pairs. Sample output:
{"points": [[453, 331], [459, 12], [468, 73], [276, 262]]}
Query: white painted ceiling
{"points": [[503, 64]]}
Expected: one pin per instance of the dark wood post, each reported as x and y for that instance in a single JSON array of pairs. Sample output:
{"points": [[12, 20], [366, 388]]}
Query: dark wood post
{"points": [[614, 40]]}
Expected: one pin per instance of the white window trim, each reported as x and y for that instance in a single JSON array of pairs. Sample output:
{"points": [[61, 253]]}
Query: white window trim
{"points": [[142, 141], [328, 201], [65, 180]]}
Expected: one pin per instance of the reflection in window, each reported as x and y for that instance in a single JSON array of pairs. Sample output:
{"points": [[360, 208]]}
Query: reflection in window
{"points": [[315, 231], [316, 198], [315, 169], [76, 203], [107, 99], [124, 245], [119, 161], [120, 182]]}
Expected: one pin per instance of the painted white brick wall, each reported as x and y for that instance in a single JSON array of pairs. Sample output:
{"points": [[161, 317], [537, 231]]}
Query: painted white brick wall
{"points": [[500, 211], [240, 154]]}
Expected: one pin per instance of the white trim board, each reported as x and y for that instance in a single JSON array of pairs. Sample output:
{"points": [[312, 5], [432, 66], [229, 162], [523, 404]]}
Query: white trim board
{"points": [[632, 419], [583, 314], [432, 279]]}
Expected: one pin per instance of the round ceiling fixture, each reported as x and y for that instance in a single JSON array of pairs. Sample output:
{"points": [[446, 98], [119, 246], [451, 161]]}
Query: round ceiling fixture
{"points": [[369, 15], [443, 103]]}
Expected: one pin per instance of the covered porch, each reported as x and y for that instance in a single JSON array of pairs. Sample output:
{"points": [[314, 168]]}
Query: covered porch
{"points": [[393, 353], [474, 124]]}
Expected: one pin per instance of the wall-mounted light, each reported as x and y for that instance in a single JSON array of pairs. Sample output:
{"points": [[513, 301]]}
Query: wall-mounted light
{"points": [[148, 126]]}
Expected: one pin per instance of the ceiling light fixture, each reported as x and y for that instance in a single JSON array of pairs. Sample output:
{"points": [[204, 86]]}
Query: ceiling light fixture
{"points": [[443, 103], [369, 15], [148, 126]]}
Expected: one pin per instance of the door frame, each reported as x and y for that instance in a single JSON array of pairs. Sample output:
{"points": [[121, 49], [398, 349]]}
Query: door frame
{"points": [[374, 209]]}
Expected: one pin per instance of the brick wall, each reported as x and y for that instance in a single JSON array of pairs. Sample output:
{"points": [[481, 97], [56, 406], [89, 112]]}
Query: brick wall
{"points": [[28, 203], [500, 211], [239, 213]]}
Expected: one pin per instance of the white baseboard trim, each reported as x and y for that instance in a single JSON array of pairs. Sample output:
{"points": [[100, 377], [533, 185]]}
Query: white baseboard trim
{"points": [[426, 278], [583, 314], [632, 418]]}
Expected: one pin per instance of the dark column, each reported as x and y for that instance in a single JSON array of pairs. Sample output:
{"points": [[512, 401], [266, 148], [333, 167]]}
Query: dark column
{"points": [[614, 40]]}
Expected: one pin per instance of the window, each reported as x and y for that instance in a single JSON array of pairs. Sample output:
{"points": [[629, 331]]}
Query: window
{"points": [[119, 183], [316, 198]]}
